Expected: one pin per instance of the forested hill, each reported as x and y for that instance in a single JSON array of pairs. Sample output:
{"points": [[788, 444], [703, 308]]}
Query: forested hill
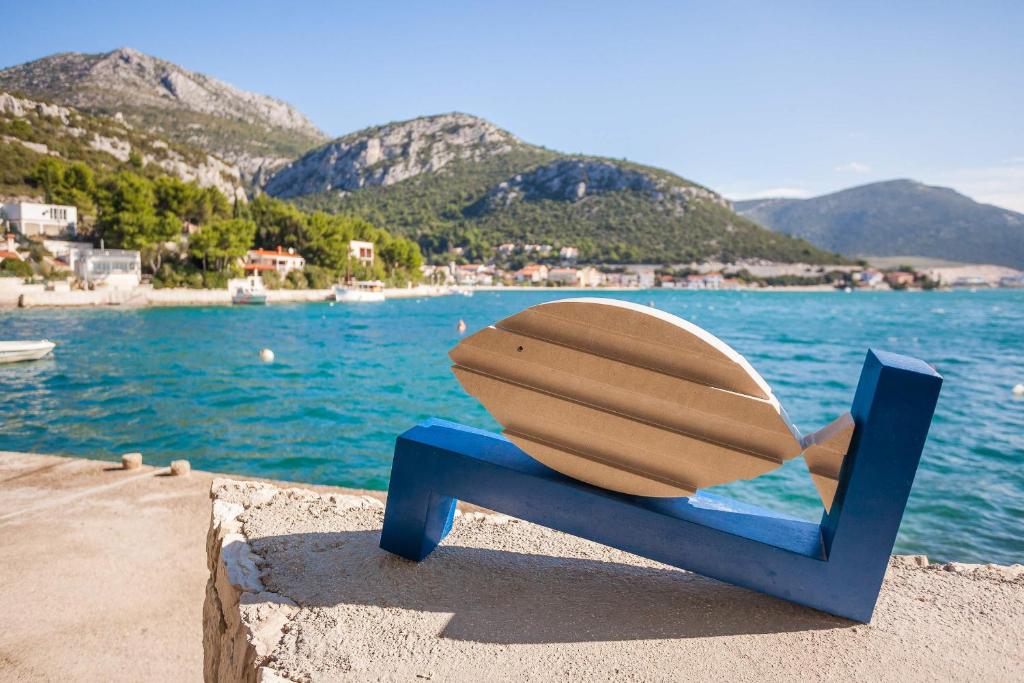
{"points": [[455, 180], [898, 218]]}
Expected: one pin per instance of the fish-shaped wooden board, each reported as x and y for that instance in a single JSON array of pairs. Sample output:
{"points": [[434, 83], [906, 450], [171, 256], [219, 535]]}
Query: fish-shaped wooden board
{"points": [[636, 400]]}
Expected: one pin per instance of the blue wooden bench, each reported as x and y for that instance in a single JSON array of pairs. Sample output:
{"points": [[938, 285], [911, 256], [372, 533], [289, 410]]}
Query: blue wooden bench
{"points": [[836, 566]]}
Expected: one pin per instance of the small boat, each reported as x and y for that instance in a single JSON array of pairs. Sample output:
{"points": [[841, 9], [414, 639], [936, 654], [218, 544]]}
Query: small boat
{"points": [[14, 351], [248, 290], [368, 292]]}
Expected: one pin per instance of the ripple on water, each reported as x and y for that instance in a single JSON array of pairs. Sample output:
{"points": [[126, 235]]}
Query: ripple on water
{"points": [[186, 382]]}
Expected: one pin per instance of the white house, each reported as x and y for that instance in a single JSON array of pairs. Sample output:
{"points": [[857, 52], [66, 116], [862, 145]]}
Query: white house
{"points": [[65, 250], [284, 262], [870, 278], [361, 251], [590, 277], [568, 253], [564, 276], [9, 249], [472, 274], [532, 273], [115, 268], [47, 220]]}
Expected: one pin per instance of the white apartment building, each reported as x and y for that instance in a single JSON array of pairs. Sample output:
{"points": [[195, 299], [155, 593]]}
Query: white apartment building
{"points": [[41, 220]]}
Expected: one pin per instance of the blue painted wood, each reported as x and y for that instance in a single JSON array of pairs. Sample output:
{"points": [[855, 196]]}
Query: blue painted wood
{"points": [[836, 566]]}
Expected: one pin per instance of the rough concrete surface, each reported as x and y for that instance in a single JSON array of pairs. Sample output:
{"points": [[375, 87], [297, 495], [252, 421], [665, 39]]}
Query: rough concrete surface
{"points": [[102, 571], [300, 591]]}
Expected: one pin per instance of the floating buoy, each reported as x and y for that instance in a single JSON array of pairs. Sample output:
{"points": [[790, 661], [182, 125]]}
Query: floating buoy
{"points": [[461, 326], [330, 305], [131, 461], [1018, 390], [266, 355]]}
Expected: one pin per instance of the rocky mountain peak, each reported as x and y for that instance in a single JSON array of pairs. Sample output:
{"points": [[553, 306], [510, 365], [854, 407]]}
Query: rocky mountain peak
{"points": [[249, 129], [388, 154]]}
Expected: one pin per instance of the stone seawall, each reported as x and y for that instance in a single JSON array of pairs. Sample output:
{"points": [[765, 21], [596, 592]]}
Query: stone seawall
{"points": [[33, 296]]}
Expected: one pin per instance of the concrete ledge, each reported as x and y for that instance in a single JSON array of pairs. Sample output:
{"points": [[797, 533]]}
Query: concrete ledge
{"points": [[300, 591]]}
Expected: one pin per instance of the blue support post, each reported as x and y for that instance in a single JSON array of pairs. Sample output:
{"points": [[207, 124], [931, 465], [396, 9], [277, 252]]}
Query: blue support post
{"points": [[836, 566]]}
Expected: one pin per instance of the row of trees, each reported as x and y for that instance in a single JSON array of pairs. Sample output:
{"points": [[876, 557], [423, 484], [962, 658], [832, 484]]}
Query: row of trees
{"points": [[180, 228]]}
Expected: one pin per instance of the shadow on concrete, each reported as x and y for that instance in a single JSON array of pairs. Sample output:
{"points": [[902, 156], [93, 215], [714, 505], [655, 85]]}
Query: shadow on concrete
{"points": [[502, 596]]}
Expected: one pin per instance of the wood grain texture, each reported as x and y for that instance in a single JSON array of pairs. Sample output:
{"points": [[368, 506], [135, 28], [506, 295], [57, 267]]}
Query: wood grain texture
{"points": [[626, 397], [824, 453]]}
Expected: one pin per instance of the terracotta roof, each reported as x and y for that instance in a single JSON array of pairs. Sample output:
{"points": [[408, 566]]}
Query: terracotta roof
{"points": [[9, 254], [268, 252], [258, 266]]}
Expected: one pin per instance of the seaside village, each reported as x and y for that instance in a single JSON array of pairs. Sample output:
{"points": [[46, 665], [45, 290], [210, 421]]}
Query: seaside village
{"points": [[45, 234]]}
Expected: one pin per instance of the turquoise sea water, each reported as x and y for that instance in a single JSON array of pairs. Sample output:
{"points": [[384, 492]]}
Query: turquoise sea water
{"points": [[186, 382]]}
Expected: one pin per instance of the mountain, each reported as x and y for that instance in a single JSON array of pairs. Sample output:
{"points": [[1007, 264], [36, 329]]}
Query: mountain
{"points": [[456, 180], [898, 218], [255, 132], [31, 130]]}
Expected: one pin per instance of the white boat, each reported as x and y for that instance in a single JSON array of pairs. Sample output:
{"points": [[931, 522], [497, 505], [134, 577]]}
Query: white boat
{"points": [[14, 351], [368, 292], [248, 290]]}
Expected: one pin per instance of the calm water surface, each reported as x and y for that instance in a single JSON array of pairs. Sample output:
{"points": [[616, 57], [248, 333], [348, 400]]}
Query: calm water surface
{"points": [[186, 382]]}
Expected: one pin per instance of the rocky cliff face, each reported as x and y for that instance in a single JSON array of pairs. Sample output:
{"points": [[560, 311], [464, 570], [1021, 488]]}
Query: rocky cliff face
{"points": [[66, 133], [573, 180], [389, 154], [252, 131], [457, 181]]}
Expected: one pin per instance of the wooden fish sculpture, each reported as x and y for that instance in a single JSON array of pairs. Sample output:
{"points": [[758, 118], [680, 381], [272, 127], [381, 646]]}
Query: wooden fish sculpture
{"points": [[636, 400]]}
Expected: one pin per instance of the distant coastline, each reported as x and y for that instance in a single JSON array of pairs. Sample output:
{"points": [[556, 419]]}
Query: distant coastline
{"points": [[146, 296]]}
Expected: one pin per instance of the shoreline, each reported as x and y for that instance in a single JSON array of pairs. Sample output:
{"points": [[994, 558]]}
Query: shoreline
{"points": [[145, 296], [104, 570]]}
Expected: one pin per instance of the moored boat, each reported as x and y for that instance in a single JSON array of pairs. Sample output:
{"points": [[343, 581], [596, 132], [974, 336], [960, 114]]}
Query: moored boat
{"points": [[248, 290], [367, 292], [14, 351]]}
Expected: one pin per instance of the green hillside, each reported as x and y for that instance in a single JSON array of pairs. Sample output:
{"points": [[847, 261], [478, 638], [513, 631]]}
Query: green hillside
{"points": [[33, 130], [898, 218], [460, 192]]}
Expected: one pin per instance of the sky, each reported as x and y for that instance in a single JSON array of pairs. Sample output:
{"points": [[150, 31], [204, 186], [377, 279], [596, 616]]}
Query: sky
{"points": [[751, 99]]}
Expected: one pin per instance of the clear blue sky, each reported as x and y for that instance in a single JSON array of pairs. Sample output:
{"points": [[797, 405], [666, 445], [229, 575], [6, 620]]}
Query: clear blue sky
{"points": [[748, 98]]}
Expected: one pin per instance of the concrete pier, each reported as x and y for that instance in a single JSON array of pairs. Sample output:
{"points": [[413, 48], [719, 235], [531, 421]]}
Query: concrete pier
{"points": [[102, 570]]}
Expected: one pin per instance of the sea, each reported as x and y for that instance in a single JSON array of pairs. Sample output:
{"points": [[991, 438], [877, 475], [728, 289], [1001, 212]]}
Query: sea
{"points": [[347, 379]]}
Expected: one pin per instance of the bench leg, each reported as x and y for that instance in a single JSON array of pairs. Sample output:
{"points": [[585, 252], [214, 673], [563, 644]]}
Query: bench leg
{"points": [[416, 518]]}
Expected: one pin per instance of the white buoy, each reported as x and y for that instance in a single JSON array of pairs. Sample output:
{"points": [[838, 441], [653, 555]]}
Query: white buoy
{"points": [[331, 305], [266, 355], [1018, 390]]}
